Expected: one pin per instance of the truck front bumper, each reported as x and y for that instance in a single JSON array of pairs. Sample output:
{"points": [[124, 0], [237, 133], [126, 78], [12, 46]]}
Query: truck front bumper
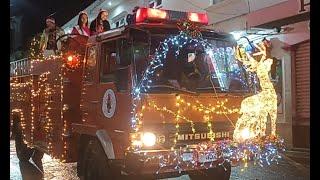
{"points": [[169, 163]]}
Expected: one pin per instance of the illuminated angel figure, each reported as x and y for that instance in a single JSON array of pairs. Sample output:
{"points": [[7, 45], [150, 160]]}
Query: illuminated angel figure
{"points": [[255, 109]]}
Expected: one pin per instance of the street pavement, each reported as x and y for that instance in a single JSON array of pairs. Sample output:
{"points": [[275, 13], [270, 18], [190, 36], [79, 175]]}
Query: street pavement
{"points": [[292, 166]]}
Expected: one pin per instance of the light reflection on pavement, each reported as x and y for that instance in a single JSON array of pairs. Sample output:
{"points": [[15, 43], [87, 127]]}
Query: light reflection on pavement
{"points": [[55, 170], [14, 163]]}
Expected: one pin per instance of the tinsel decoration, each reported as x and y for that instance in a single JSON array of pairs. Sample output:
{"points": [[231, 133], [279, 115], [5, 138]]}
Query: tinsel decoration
{"points": [[190, 28], [262, 151]]}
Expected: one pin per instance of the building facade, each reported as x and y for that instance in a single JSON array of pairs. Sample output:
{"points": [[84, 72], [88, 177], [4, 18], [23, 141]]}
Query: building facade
{"points": [[284, 22], [15, 33]]}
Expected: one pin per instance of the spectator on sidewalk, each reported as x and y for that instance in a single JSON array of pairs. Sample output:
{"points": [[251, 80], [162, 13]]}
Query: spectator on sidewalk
{"points": [[100, 24]]}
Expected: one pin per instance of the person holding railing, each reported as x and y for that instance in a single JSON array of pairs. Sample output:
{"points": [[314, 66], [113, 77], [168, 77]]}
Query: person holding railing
{"points": [[48, 42]]}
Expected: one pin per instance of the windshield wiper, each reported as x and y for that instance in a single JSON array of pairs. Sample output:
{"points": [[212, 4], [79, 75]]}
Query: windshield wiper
{"points": [[173, 87]]}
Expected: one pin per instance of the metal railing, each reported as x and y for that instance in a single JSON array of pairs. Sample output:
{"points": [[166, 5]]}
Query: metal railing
{"points": [[20, 67]]}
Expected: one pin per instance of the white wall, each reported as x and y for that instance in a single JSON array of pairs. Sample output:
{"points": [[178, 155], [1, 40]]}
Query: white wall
{"points": [[91, 10], [185, 5], [232, 24], [227, 9], [124, 7], [284, 120], [219, 12]]}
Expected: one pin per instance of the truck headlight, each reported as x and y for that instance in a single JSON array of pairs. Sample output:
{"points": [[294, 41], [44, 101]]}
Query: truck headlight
{"points": [[245, 133], [149, 139]]}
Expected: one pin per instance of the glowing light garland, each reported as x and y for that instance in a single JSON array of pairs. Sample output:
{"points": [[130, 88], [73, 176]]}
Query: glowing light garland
{"points": [[175, 43], [261, 149], [255, 109], [44, 89]]}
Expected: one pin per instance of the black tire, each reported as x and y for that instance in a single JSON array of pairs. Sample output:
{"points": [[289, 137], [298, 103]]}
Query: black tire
{"points": [[23, 151], [213, 173], [96, 164]]}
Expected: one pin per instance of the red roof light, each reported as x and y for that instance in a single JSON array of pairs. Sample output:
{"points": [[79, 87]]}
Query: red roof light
{"points": [[150, 14], [168, 16], [198, 17]]}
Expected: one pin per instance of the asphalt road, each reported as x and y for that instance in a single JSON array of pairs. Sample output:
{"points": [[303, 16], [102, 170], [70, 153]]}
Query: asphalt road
{"points": [[287, 169]]}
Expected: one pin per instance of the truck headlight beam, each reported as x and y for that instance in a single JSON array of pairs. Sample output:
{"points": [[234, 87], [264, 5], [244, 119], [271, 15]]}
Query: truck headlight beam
{"points": [[245, 133], [149, 139]]}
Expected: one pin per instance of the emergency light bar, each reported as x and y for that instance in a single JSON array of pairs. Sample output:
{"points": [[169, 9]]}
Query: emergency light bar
{"points": [[161, 15]]}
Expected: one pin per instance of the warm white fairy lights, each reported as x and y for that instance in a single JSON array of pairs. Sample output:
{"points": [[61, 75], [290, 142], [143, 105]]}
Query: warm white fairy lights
{"points": [[255, 109], [263, 150], [175, 43], [260, 149], [43, 89]]}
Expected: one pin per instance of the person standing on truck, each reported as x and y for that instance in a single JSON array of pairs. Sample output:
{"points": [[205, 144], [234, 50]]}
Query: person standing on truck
{"points": [[48, 42], [131, 18], [100, 24], [82, 27]]}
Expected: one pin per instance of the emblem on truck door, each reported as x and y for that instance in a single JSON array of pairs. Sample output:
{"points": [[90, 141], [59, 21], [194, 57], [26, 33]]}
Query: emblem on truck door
{"points": [[109, 103]]}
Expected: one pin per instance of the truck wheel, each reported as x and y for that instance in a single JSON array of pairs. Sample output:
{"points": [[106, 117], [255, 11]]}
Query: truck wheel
{"points": [[213, 173], [95, 162], [23, 151]]}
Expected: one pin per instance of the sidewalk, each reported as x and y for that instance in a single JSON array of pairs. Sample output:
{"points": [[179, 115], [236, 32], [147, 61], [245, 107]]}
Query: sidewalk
{"points": [[301, 156]]}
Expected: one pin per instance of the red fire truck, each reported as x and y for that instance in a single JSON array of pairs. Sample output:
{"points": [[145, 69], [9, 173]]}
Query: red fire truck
{"points": [[79, 106]]}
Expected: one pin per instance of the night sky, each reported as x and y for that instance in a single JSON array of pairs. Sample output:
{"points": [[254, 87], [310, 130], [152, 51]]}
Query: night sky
{"points": [[35, 11]]}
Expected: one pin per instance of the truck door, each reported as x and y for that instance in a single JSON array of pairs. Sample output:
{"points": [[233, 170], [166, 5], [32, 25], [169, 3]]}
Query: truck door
{"points": [[89, 100], [114, 92]]}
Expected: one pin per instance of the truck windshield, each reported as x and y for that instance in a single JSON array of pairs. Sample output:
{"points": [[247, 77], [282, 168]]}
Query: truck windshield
{"points": [[195, 69]]}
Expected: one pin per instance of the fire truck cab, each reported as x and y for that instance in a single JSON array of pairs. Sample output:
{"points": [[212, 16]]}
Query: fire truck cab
{"points": [[172, 112], [115, 64]]}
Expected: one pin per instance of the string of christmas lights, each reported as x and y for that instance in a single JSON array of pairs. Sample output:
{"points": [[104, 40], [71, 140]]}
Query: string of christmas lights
{"points": [[258, 148], [255, 109], [175, 43], [43, 88], [262, 151]]}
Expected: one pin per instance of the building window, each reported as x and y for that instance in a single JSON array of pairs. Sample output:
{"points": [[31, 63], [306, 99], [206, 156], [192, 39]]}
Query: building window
{"points": [[151, 5], [155, 3], [120, 22], [159, 2], [215, 1]]}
